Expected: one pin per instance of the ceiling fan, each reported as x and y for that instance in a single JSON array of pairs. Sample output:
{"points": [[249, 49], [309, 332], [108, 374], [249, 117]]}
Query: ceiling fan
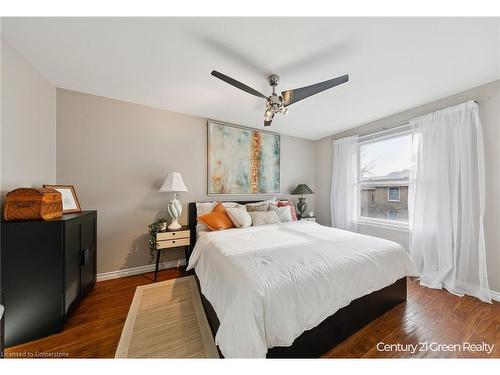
{"points": [[278, 104]]}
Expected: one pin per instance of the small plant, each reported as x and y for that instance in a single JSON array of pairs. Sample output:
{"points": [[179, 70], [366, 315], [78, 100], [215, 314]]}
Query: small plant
{"points": [[153, 229]]}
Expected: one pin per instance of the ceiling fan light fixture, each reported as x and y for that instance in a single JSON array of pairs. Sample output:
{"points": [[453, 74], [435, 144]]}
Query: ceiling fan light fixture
{"points": [[278, 104]]}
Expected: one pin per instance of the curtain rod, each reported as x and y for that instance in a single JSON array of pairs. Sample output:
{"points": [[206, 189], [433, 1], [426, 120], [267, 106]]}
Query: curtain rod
{"points": [[384, 130], [485, 99], [396, 127]]}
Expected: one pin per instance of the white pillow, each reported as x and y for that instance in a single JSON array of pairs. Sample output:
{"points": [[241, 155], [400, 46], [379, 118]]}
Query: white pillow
{"points": [[203, 208], [239, 217], [284, 212], [263, 218], [232, 204]]}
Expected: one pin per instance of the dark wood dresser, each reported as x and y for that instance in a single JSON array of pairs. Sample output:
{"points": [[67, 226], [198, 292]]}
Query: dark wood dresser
{"points": [[47, 267]]}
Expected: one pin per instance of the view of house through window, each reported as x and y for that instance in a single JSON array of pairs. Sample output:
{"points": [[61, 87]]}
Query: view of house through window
{"points": [[384, 169]]}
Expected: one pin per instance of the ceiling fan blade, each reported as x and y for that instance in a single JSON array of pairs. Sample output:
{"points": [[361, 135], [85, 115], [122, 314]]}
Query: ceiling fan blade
{"points": [[237, 84], [293, 96]]}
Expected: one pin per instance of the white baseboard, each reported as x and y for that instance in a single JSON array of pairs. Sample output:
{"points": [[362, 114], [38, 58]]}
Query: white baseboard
{"points": [[495, 296], [138, 270]]}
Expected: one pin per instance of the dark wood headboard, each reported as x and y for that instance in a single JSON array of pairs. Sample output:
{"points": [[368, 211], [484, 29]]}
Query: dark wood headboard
{"points": [[192, 215]]}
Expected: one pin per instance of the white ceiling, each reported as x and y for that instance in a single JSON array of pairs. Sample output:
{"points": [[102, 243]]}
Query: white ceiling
{"points": [[393, 63]]}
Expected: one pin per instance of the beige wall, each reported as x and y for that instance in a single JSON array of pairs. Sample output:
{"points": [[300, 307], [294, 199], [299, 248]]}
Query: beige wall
{"points": [[489, 113], [117, 153], [28, 135]]}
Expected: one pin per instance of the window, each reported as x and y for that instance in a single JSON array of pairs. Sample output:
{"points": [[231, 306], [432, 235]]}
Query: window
{"points": [[393, 194], [384, 169]]}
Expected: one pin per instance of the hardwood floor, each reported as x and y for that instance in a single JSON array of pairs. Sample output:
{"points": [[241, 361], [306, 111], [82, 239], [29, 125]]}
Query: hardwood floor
{"points": [[94, 328], [431, 316]]}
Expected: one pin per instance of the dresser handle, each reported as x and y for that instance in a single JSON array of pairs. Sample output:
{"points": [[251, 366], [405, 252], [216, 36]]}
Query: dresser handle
{"points": [[84, 257], [173, 234], [173, 241]]}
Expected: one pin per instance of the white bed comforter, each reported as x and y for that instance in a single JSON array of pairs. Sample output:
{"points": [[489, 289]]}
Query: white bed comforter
{"points": [[270, 283]]}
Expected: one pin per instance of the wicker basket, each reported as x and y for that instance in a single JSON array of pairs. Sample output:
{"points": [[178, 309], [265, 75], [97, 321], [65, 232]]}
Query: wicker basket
{"points": [[32, 204]]}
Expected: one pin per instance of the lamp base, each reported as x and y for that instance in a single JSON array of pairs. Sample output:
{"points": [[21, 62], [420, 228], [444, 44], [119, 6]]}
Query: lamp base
{"points": [[174, 225], [302, 206], [174, 210]]}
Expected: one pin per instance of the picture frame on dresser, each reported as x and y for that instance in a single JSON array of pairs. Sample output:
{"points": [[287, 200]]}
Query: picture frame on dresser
{"points": [[70, 201]]}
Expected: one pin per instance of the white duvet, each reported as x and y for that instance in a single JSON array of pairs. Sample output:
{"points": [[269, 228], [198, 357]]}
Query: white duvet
{"points": [[270, 283]]}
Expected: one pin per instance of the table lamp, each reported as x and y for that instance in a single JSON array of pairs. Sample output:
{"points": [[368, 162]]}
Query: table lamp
{"points": [[302, 189], [174, 184]]}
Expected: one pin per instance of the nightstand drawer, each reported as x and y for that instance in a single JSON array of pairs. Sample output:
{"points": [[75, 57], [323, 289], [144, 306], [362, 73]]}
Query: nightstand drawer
{"points": [[173, 243], [161, 236]]}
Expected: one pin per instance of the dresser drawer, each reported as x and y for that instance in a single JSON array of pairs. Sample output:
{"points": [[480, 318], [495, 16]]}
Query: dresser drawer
{"points": [[173, 243], [160, 236]]}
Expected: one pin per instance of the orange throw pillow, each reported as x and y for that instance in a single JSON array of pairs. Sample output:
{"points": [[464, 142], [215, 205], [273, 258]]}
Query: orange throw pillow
{"points": [[218, 219]]}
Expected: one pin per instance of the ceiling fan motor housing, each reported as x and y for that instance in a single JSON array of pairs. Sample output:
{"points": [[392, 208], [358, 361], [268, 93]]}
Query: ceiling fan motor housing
{"points": [[274, 102], [273, 80]]}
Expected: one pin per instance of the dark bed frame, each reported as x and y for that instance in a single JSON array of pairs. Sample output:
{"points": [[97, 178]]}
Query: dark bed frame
{"points": [[334, 329]]}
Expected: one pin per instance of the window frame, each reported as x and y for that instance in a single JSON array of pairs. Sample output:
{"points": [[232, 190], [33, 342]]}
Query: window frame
{"points": [[389, 194], [377, 222]]}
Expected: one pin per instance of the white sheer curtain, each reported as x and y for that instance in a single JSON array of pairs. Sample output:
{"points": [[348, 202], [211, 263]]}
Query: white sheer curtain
{"points": [[446, 201], [344, 193]]}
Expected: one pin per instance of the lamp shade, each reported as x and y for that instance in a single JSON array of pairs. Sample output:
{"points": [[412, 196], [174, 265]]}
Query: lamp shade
{"points": [[173, 183], [302, 189]]}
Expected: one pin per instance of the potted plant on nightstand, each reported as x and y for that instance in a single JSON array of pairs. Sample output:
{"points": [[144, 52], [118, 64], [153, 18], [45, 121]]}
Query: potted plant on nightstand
{"points": [[154, 228]]}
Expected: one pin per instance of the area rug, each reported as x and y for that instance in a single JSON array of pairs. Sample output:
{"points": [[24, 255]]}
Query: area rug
{"points": [[167, 320]]}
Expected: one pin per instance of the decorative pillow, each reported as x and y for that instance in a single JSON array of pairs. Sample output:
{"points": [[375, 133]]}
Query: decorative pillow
{"points": [[203, 208], [292, 208], [259, 206], [263, 218], [284, 212], [254, 207], [218, 219], [239, 217]]}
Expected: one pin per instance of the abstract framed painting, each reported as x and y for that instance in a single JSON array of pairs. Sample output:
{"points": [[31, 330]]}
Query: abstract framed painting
{"points": [[242, 160]]}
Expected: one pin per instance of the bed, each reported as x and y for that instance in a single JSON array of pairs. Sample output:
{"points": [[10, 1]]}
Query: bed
{"points": [[293, 290]]}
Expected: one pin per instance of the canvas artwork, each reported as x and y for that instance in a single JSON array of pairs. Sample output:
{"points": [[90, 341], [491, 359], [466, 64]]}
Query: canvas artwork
{"points": [[242, 160]]}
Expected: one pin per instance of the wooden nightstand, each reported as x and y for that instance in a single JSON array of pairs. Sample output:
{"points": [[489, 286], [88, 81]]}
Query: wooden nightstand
{"points": [[308, 218], [171, 239]]}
